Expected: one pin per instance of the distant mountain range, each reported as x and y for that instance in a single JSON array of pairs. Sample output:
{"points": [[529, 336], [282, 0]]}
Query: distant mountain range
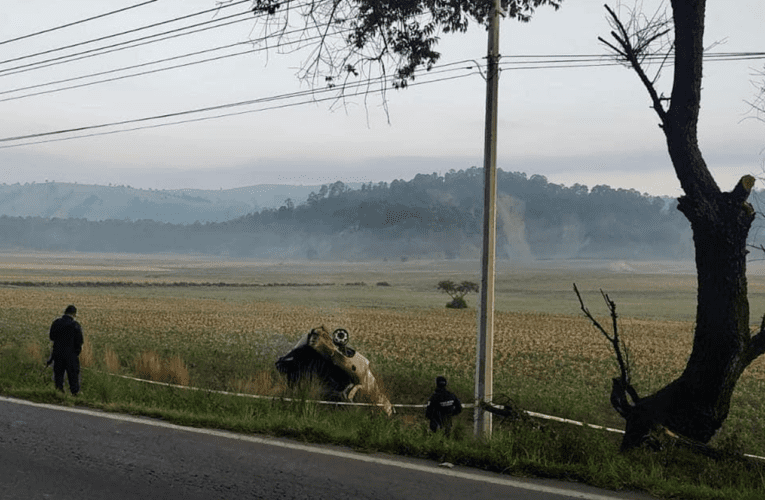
{"points": [[181, 206], [430, 216]]}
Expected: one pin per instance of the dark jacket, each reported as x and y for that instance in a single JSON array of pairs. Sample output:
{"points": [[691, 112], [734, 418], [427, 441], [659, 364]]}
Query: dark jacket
{"points": [[442, 405], [66, 334]]}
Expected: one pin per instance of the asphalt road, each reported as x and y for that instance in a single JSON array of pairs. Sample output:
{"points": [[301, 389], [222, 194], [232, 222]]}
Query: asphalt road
{"points": [[51, 452]]}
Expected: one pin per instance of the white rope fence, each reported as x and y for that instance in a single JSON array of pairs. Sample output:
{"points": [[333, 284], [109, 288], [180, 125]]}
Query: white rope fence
{"points": [[258, 396], [351, 403]]}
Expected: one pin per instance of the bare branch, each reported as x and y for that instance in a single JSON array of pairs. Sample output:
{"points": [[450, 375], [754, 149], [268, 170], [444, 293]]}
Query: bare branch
{"points": [[323, 28], [623, 383], [590, 317], [635, 41], [621, 54], [612, 308], [758, 104], [349, 40]]}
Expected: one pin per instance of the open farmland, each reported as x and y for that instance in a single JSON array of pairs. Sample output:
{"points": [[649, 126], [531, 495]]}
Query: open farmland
{"points": [[229, 321]]}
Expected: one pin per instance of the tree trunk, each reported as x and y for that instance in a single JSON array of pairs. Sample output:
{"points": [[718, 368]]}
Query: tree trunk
{"points": [[697, 403]]}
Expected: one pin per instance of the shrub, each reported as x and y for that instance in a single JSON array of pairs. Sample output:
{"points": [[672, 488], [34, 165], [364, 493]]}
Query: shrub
{"points": [[458, 303], [457, 292]]}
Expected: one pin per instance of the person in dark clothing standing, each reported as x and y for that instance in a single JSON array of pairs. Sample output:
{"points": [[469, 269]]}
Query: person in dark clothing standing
{"points": [[442, 406], [66, 334]]}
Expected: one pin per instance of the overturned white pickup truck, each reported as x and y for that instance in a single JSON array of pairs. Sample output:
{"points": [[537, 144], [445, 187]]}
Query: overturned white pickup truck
{"points": [[327, 357]]}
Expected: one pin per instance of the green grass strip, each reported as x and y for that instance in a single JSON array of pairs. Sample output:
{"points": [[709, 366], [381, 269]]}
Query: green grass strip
{"points": [[524, 448]]}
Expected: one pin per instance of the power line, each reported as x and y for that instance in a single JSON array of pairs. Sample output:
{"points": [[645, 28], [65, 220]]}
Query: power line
{"points": [[148, 72], [356, 89], [735, 56], [122, 45], [143, 40], [546, 62], [23, 37], [113, 35], [116, 70], [650, 56], [113, 48], [509, 63], [102, 50], [516, 62], [559, 66], [129, 44], [572, 61], [608, 60]]}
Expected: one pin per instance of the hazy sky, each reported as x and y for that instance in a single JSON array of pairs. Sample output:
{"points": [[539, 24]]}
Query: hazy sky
{"points": [[590, 125]]}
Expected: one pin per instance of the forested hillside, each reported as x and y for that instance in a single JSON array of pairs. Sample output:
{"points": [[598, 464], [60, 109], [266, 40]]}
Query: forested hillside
{"points": [[182, 206], [430, 216]]}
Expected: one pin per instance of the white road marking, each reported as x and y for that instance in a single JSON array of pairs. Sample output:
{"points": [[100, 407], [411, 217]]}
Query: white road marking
{"points": [[314, 449]]}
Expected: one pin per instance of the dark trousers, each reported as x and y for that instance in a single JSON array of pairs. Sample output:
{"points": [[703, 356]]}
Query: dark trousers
{"points": [[70, 365], [441, 422]]}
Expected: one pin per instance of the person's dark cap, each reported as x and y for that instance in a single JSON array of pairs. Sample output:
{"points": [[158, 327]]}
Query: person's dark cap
{"points": [[71, 310], [440, 381]]}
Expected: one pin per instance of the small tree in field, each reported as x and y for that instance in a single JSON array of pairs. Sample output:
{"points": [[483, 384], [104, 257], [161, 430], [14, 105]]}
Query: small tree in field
{"points": [[457, 292]]}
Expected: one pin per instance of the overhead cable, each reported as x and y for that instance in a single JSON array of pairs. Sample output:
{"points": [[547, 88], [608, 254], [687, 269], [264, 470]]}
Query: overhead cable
{"points": [[122, 45], [353, 89], [112, 48], [362, 87], [516, 62], [30, 35], [129, 44], [134, 30], [147, 72], [606, 58]]}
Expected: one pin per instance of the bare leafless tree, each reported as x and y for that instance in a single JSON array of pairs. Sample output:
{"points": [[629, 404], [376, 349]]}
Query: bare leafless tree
{"points": [[697, 403]]}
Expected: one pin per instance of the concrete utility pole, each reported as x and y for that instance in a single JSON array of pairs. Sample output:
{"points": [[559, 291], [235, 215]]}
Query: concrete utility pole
{"points": [[484, 383]]}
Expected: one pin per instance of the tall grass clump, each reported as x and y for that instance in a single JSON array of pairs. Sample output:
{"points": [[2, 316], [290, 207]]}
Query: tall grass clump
{"points": [[149, 365], [87, 359], [111, 361], [175, 371], [261, 383], [34, 351]]}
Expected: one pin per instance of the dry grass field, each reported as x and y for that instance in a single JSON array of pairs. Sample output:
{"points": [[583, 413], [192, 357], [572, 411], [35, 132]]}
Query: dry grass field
{"points": [[136, 314]]}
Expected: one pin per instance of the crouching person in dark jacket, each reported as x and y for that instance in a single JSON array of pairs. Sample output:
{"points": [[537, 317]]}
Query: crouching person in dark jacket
{"points": [[66, 334], [442, 406]]}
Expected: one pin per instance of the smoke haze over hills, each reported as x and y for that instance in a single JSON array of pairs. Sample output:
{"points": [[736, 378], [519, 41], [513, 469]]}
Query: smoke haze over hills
{"points": [[429, 216], [177, 206]]}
